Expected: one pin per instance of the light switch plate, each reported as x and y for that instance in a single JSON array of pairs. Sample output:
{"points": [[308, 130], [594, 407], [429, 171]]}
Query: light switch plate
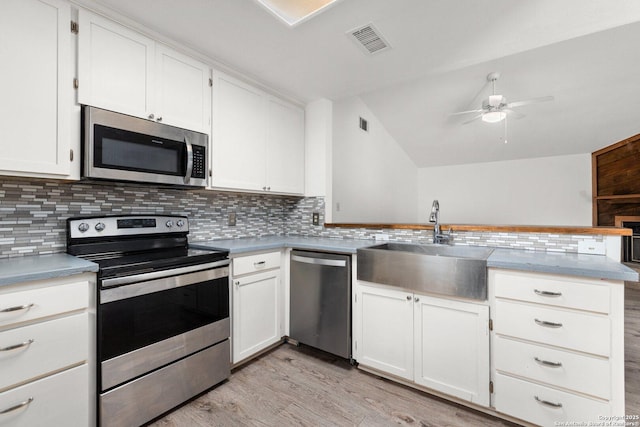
{"points": [[591, 247]]}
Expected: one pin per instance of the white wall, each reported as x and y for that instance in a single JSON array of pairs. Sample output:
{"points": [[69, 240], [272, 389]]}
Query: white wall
{"points": [[318, 132], [373, 178], [540, 191]]}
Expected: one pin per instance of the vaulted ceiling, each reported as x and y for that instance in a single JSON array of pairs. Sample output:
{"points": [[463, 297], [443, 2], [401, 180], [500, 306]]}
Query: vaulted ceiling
{"points": [[584, 53]]}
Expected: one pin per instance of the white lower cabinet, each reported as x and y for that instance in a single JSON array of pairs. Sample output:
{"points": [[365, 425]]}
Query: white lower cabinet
{"points": [[557, 347], [257, 294], [383, 337], [438, 343], [451, 347], [47, 352], [56, 400]]}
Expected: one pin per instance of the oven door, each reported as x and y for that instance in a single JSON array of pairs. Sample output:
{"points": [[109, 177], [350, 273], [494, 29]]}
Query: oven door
{"points": [[148, 324], [126, 148]]}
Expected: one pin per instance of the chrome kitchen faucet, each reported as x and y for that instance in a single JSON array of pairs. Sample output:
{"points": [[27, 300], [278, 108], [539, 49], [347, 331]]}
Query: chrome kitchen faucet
{"points": [[438, 236]]}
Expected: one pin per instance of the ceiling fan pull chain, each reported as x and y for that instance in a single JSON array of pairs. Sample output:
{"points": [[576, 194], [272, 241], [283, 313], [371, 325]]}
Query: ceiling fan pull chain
{"points": [[505, 130]]}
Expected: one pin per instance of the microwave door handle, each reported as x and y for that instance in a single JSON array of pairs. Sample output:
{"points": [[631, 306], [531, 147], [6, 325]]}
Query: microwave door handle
{"points": [[187, 176]]}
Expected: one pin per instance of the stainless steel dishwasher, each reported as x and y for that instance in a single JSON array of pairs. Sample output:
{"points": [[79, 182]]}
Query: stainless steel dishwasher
{"points": [[320, 302]]}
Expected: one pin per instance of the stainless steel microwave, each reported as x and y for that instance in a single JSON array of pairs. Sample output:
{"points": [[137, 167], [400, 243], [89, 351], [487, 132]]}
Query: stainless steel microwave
{"points": [[125, 148]]}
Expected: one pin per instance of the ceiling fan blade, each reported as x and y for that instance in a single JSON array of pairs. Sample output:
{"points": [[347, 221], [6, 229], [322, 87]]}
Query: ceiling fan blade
{"points": [[474, 119], [530, 101], [466, 112], [513, 113]]}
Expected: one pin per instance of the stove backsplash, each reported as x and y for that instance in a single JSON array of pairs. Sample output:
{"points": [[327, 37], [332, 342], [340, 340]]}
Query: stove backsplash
{"points": [[33, 211], [33, 214]]}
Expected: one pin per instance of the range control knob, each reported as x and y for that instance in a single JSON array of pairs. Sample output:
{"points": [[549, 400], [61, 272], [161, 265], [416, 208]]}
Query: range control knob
{"points": [[169, 224], [99, 226], [180, 223], [83, 226]]}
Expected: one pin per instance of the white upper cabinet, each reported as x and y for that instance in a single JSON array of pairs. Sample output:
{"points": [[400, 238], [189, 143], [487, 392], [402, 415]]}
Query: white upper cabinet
{"points": [[183, 96], [114, 66], [36, 88], [122, 70], [238, 147], [285, 147], [258, 139]]}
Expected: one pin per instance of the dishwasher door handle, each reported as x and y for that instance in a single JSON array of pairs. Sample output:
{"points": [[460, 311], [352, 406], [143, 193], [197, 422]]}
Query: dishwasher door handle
{"points": [[320, 261]]}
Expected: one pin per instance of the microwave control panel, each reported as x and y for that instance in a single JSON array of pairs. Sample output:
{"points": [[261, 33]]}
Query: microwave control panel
{"points": [[199, 163]]}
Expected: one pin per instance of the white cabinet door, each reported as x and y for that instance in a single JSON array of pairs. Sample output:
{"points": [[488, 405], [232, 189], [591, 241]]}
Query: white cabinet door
{"points": [[238, 147], [256, 308], [285, 147], [115, 66], [183, 95], [451, 343], [384, 330], [36, 87]]}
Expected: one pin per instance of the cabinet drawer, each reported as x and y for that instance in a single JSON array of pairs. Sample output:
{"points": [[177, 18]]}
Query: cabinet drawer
{"points": [[552, 290], [56, 344], [518, 398], [254, 263], [577, 331], [23, 306], [586, 374], [59, 400]]}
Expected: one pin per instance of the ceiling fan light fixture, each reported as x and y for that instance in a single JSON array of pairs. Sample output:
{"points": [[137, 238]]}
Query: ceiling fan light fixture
{"points": [[493, 116]]}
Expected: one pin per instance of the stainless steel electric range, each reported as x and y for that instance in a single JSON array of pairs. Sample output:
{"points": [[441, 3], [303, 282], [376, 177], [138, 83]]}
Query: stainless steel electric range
{"points": [[162, 315]]}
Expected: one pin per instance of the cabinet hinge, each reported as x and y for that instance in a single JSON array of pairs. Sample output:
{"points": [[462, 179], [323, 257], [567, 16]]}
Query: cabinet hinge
{"points": [[490, 386], [356, 297], [76, 83], [210, 82], [355, 345], [71, 155], [491, 324], [74, 27]]}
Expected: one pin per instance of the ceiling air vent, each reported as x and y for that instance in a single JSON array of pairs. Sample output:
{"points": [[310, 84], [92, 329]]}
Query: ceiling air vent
{"points": [[369, 38]]}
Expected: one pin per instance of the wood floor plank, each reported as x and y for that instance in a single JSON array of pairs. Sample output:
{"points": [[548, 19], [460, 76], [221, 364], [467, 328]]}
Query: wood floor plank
{"points": [[292, 386]]}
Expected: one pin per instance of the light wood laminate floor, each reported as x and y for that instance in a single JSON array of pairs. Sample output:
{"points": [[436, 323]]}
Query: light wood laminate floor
{"points": [[304, 387]]}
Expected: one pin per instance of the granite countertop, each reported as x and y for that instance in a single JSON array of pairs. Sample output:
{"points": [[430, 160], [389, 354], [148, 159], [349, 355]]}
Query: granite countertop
{"points": [[594, 266], [42, 267], [239, 246]]}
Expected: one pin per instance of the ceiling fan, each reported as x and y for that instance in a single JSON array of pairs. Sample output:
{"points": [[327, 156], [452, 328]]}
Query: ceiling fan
{"points": [[496, 108]]}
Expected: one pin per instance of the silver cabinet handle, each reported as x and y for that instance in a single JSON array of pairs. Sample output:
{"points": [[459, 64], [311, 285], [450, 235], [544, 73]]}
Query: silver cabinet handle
{"points": [[268, 188], [416, 299], [237, 283], [257, 263], [547, 363], [151, 116], [17, 308], [16, 407], [17, 346], [409, 298], [547, 403], [159, 119], [547, 293], [548, 324]]}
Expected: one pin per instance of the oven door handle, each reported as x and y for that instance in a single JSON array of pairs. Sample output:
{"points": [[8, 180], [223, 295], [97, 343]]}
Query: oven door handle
{"points": [[147, 283]]}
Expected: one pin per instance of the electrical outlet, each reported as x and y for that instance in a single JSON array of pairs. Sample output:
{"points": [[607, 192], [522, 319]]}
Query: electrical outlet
{"points": [[315, 219], [232, 219], [591, 247]]}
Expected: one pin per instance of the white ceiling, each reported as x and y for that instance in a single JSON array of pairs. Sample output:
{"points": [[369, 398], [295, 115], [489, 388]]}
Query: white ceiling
{"points": [[579, 51]]}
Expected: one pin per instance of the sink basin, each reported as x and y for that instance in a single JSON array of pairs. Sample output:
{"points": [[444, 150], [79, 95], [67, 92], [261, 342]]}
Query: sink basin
{"points": [[459, 271]]}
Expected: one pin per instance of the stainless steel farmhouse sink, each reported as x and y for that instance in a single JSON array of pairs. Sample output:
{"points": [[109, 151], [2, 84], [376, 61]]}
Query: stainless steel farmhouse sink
{"points": [[448, 270]]}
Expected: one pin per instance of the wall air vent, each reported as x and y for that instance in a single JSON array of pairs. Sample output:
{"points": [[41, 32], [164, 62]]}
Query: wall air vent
{"points": [[369, 38]]}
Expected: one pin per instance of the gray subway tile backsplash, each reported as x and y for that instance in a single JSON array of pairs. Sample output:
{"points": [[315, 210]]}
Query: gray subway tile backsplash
{"points": [[33, 214]]}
